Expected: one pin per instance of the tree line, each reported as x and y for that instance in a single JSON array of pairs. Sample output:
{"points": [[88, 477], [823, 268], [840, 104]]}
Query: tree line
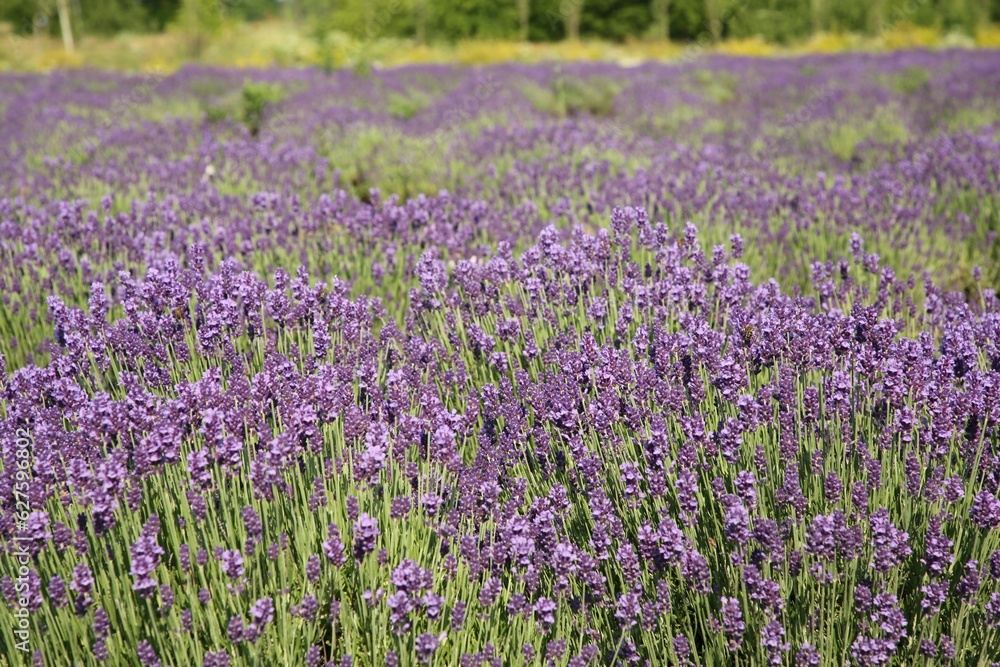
{"points": [[535, 20]]}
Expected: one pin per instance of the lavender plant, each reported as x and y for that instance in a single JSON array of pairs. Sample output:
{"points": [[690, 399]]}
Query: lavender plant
{"points": [[614, 397]]}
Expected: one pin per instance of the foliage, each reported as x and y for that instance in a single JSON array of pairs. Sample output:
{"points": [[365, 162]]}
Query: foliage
{"points": [[256, 98], [568, 96], [776, 21], [689, 363]]}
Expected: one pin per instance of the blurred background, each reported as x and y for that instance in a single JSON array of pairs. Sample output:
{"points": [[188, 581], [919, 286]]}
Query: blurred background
{"points": [[164, 34]]}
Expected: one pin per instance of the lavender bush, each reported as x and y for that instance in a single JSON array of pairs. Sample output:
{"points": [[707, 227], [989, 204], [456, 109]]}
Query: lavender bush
{"points": [[709, 378]]}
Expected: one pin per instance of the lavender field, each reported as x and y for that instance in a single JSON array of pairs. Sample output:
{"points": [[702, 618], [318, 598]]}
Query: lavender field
{"points": [[690, 364]]}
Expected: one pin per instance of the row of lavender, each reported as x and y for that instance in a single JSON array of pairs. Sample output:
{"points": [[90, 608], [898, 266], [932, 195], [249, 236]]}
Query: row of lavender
{"points": [[290, 476], [115, 173], [487, 426]]}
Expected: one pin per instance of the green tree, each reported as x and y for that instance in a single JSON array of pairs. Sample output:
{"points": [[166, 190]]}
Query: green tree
{"points": [[661, 18], [161, 13], [573, 12], [713, 17], [109, 17], [817, 10], [65, 25], [200, 20], [420, 18], [876, 16], [523, 19], [467, 19]]}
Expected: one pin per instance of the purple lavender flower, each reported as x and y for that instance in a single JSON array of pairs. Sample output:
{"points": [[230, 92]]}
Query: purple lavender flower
{"points": [[400, 507], [687, 495], [820, 538], [954, 489], [489, 592], [146, 557], [737, 522], [891, 544], [745, 484], [545, 610], [732, 622], [457, 616], [57, 592], [313, 568], [431, 502], [400, 605], [682, 647], [937, 551], [308, 608], [433, 604], [36, 533], [912, 470], [166, 599], [889, 618], [631, 479], [968, 586], [694, 568], [985, 510], [253, 525], [773, 641], [262, 612], [235, 630], [934, 595], [365, 533], [628, 609], [199, 469], [630, 359], [807, 656], [672, 542], [82, 584], [867, 651], [862, 599], [833, 488], [216, 659], [333, 547], [425, 646], [147, 655], [83, 580], [767, 592], [232, 563], [993, 611], [100, 650]]}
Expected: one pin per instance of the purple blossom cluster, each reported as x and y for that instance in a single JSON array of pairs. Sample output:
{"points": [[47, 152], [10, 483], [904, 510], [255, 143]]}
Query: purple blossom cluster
{"points": [[496, 425]]}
